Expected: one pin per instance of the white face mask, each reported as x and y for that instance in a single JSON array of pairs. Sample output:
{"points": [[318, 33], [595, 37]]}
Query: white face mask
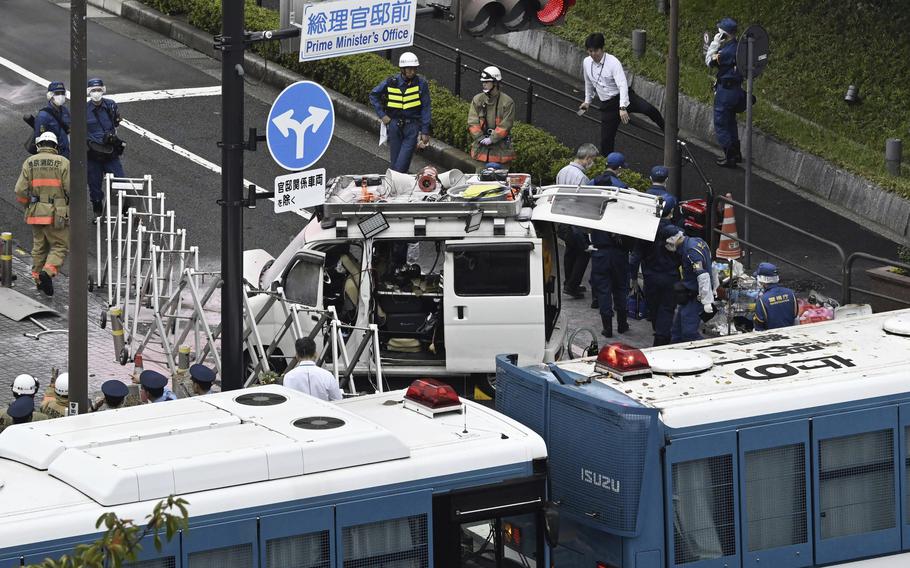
{"points": [[673, 243], [59, 100], [95, 96]]}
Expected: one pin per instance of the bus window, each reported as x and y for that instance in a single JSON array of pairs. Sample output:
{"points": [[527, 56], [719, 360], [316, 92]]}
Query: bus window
{"points": [[394, 543]]}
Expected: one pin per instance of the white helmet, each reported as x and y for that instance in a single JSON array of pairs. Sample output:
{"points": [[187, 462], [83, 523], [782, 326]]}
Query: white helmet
{"points": [[45, 138], [408, 59], [62, 385], [490, 74], [25, 384]]}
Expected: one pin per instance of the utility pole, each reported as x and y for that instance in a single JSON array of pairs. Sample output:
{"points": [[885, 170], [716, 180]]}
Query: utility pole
{"points": [[671, 112], [77, 364], [232, 149]]}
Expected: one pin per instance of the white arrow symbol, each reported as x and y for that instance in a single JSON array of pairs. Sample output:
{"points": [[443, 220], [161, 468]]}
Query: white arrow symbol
{"points": [[286, 124]]}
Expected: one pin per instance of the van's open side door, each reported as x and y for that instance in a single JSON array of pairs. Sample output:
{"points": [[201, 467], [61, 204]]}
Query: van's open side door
{"points": [[493, 302], [622, 211]]}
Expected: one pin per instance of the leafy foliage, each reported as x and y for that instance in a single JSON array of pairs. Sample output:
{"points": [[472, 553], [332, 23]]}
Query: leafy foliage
{"points": [[121, 540]]}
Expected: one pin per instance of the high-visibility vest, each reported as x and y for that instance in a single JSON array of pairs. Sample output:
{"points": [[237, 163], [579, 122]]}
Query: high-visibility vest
{"points": [[403, 99]]}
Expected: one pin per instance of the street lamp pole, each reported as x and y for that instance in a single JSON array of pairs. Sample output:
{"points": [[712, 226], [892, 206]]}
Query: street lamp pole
{"points": [[671, 111]]}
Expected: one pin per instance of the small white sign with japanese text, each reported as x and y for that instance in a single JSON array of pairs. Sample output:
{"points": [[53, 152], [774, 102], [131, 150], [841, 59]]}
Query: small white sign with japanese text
{"points": [[299, 189], [345, 27]]}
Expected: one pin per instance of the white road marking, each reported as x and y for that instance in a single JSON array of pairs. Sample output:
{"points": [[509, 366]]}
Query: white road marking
{"points": [[152, 95], [166, 94]]}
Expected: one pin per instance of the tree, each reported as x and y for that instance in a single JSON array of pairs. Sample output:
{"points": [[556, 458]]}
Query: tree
{"points": [[121, 541]]}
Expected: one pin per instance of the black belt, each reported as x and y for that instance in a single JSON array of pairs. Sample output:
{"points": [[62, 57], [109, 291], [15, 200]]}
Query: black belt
{"points": [[730, 83]]}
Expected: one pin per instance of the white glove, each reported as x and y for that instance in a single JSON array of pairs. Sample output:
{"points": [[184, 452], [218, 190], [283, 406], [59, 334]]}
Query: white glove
{"points": [[709, 308], [486, 141], [705, 293], [713, 48]]}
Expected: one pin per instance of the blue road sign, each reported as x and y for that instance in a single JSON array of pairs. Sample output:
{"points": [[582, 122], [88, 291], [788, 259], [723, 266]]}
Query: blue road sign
{"points": [[301, 124]]}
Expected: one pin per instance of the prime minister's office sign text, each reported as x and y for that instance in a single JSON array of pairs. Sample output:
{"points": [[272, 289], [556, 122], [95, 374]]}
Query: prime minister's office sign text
{"points": [[333, 29]]}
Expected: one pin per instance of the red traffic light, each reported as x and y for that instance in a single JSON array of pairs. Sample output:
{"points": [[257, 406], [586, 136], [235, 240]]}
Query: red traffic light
{"points": [[498, 16], [553, 10]]}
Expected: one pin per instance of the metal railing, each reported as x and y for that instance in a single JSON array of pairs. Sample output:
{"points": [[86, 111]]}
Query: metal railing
{"points": [[848, 276]]}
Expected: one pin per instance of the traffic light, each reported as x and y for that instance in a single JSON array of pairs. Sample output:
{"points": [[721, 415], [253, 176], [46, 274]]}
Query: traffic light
{"points": [[479, 17]]}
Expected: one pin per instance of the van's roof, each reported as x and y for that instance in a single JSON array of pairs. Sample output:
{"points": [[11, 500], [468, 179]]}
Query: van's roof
{"points": [[776, 371]]}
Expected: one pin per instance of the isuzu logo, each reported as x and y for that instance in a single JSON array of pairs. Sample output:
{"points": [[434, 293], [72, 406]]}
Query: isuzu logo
{"points": [[600, 480]]}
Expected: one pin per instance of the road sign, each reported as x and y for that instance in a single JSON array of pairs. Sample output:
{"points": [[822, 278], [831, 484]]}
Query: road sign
{"points": [[760, 50], [333, 29], [299, 189], [300, 126]]}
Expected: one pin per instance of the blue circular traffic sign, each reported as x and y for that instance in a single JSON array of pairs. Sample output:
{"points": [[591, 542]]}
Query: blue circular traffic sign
{"points": [[300, 126]]}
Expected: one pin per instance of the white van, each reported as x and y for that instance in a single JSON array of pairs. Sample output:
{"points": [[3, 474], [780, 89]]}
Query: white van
{"points": [[483, 276]]}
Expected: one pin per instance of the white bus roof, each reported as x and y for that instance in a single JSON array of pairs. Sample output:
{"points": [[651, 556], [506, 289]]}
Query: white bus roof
{"points": [[302, 447], [771, 372]]}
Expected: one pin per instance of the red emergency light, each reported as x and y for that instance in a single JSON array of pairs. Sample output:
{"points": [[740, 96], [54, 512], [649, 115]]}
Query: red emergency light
{"points": [[622, 362], [431, 396]]}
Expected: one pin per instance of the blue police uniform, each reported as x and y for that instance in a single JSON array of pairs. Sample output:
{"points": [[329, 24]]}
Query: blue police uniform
{"points": [[729, 96], [609, 178], [103, 119], [776, 307], [57, 120], [154, 380], [610, 279], [660, 271], [661, 191], [407, 103], [695, 257]]}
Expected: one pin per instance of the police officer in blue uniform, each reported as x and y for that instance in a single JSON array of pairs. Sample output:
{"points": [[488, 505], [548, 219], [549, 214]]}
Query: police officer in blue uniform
{"points": [[777, 306], [615, 162], [114, 392], [695, 293], [203, 378], [610, 279], [658, 176], [729, 96], [154, 387], [105, 147], [402, 103], [660, 271], [55, 117]]}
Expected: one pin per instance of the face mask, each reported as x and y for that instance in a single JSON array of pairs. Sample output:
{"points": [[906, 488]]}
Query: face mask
{"points": [[95, 96], [59, 100], [486, 91], [673, 243]]}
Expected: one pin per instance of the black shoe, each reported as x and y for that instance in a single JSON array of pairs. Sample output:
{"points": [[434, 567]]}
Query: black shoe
{"points": [[97, 208], [661, 340], [576, 293], [594, 303], [737, 154], [725, 162], [608, 326], [582, 288], [46, 283], [622, 325]]}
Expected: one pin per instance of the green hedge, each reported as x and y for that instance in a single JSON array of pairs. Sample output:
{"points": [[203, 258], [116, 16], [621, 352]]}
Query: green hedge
{"points": [[817, 49], [538, 152]]}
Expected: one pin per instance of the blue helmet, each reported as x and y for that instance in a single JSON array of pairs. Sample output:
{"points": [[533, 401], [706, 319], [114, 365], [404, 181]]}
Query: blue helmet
{"points": [[616, 160], [659, 173], [728, 25], [669, 205], [56, 87]]}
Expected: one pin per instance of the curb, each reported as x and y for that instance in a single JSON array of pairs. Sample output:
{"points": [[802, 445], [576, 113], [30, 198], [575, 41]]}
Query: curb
{"points": [[829, 183], [274, 74]]}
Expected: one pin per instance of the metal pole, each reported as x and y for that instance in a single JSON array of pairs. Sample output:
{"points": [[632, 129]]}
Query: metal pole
{"points": [[529, 108], [748, 148], [671, 110], [231, 194], [457, 72], [6, 259], [77, 338]]}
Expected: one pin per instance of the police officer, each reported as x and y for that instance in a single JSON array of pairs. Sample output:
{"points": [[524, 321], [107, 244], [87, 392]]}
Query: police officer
{"points": [[20, 411], [402, 102], [104, 146], [43, 188], [203, 378], [154, 387], [55, 117], [658, 177], [615, 162], [56, 398], [777, 306], [660, 272], [729, 96], [490, 118], [114, 396], [695, 293], [610, 279]]}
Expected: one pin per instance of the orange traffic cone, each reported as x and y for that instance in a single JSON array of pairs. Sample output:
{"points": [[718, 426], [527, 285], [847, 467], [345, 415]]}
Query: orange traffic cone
{"points": [[728, 248]]}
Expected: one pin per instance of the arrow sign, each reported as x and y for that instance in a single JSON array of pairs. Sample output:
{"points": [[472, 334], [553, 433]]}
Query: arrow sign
{"points": [[301, 124]]}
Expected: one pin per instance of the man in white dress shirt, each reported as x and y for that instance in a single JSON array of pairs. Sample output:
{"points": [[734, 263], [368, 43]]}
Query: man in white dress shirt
{"points": [[605, 78], [307, 377]]}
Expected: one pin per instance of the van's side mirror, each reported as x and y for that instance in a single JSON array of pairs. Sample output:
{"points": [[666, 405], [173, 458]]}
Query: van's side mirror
{"points": [[551, 523]]}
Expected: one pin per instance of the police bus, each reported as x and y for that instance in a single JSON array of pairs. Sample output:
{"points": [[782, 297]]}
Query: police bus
{"points": [[787, 448], [275, 478]]}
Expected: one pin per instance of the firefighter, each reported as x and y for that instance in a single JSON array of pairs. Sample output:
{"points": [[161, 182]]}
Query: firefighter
{"points": [[43, 188], [25, 385], [777, 306], [56, 397], [402, 103], [490, 118]]}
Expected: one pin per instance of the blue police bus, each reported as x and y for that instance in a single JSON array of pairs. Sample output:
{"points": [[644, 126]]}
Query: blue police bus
{"points": [[278, 479], [788, 448]]}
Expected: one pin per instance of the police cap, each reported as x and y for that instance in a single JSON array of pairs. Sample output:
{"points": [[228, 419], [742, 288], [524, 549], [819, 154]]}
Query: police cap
{"points": [[21, 407], [202, 374], [114, 389], [659, 173], [616, 160], [56, 87], [728, 25], [668, 231], [152, 380]]}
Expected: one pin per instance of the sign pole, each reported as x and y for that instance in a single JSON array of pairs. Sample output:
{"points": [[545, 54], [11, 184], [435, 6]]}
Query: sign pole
{"points": [[748, 189], [671, 110], [232, 149]]}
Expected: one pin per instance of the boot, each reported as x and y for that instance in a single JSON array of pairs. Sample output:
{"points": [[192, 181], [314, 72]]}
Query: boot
{"points": [[737, 154], [46, 283], [594, 303], [622, 322], [661, 340], [97, 208], [607, 322], [728, 160]]}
